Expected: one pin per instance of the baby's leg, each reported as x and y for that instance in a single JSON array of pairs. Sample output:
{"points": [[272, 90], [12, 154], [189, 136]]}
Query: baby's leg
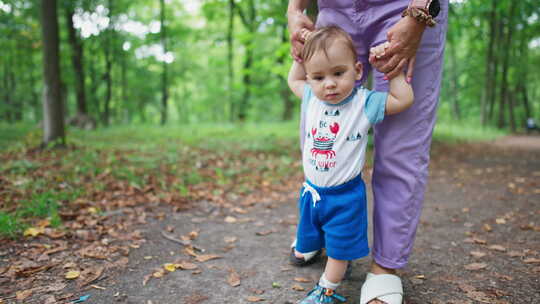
{"points": [[334, 271]]}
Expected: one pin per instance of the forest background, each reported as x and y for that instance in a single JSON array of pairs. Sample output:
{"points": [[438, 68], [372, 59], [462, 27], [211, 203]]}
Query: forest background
{"points": [[187, 99], [225, 61]]}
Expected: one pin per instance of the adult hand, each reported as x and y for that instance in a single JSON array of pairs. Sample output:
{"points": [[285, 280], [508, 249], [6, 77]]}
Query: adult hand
{"points": [[297, 21], [404, 38]]}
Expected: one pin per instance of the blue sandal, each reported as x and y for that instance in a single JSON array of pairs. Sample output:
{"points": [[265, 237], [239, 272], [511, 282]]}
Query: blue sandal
{"points": [[320, 295]]}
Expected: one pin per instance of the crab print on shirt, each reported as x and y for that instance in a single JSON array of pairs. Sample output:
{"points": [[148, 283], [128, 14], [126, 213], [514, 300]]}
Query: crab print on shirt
{"points": [[322, 153]]}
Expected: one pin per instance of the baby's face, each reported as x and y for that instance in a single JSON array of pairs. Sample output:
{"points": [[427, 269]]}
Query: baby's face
{"points": [[333, 78]]}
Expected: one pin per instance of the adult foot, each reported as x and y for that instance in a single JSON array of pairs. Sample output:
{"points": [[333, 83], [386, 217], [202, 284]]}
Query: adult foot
{"points": [[377, 269]]}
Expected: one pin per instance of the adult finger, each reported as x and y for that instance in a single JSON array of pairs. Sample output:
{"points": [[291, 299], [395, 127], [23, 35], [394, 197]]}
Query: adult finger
{"points": [[393, 48], [398, 69], [390, 64], [410, 69]]}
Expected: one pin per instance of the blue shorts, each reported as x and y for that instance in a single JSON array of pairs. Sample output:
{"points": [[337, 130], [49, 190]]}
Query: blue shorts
{"points": [[337, 221]]}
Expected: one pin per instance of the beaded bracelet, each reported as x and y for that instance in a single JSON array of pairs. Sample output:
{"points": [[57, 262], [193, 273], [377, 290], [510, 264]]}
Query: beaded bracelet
{"points": [[420, 15]]}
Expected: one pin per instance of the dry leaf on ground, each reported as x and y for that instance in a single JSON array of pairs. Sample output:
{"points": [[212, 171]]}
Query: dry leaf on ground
{"points": [[531, 261], [185, 265], [497, 248], [23, 294], [230, 220], [254, 299], [297, 287], [233, 279], [302, 280], [230, 239], [478, 254], [475, 266], [207, 257], [72, 274]]}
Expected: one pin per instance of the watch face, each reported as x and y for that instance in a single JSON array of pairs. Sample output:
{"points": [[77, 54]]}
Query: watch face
{"points": [[434, 8]]}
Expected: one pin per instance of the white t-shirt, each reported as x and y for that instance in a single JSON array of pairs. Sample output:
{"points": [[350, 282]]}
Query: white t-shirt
{"points": [[334, 138]]}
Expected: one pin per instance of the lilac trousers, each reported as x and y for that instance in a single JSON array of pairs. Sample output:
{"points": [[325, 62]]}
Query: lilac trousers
{"points": [[402, 141]]}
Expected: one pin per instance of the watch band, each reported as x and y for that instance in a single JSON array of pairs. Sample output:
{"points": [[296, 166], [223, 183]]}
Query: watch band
{"points": [[433, 7], [422, 12]]}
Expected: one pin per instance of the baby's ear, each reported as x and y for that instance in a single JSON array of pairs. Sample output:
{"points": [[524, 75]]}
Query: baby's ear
{"points": [[359, 70]]}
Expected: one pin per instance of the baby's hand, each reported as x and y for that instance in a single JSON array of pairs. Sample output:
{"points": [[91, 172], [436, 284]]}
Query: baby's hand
{"points": [[375, 53], [379, 50], [304, 34]]}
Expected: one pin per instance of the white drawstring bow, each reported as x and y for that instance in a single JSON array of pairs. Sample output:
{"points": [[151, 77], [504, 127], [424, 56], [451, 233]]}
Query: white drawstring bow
{"points": [[314, 194]]}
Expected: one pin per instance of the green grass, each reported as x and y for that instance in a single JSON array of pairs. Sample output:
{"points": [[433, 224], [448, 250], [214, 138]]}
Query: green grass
{"points": [[135, 153], [451, 132], [263, 137]]}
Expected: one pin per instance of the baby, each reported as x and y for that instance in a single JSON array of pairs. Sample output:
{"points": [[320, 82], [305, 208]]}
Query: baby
{"points": [[335, 118]]}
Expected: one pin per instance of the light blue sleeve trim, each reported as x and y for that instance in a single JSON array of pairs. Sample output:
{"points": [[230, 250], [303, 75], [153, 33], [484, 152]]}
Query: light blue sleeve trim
{"points": [[306, 96], [375, 106]]}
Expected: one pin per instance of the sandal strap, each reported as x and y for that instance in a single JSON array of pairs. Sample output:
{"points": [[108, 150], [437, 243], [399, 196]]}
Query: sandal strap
{"points": [[377, 286]]}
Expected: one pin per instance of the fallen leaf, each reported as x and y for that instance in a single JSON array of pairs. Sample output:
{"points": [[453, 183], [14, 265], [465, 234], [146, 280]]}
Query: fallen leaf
{"points": [[254, 299], [230, 239], [420, 276], [478, 254], [21, 295], [500, 221], [515, 253], [497, 248], [297, 287], [475, 266], [263, 233], [531, 261], [479, 241], [72, 274], [146, 279], [465, 210], [240, 210], [169, 267], [302, 280], [193, 235], [230, 220], [158, 274], [190, 251], [33, 231], [90, 275], [256, 291], [487, 227], [207, 257], [233, 279], [276, 285], [185, 265], [98, 287]]}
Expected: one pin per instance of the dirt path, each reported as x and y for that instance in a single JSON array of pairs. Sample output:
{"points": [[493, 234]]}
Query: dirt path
{"points": [[478, 242], [481, 213]]}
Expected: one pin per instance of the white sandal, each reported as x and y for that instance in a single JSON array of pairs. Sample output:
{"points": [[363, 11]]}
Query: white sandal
{"points": [[382, 287]]}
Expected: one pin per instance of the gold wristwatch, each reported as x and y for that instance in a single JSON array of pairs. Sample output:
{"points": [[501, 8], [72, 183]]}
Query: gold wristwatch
{"points": [[423, 11]]}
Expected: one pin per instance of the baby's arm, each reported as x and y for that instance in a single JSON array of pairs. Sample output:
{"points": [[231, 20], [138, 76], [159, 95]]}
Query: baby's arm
{"points": [[400, 95], [297, 79]]}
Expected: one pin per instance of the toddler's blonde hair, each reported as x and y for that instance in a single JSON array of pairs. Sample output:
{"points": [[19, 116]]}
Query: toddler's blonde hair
{"points": [[322, 38]]}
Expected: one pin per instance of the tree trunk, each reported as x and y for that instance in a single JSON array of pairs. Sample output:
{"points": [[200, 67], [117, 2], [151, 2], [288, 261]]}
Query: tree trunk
{"points": [[230, 60], [487, 97], [250, 23], [77, 61], [108, 68], [285, 92], [495, 63], [506, 64], [164, 82], [53, 112]]}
